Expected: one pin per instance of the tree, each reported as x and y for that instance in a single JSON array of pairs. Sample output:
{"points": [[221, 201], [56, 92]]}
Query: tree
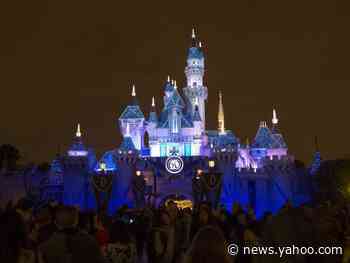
{"points": [[333, 180], [9, 155], [44, 167]]}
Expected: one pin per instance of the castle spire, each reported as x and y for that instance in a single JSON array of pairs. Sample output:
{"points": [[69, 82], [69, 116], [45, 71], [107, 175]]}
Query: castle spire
{"points": [[168, 79], [193, 38], [274, 117], [175, 87], [153, 102], [78, 133], [133, 92], [221, 116]]}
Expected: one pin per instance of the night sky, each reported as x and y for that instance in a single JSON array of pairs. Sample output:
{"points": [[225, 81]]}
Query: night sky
{"points": [[64, 62]]}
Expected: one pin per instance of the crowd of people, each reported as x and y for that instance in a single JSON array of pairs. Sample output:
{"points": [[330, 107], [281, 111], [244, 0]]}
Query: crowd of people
{"points": [[167, 234]]}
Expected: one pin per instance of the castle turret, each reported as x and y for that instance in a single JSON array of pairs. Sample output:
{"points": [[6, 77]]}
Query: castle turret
{"points": [[133, 119], [262, 142], [279, 146], [153, 114], [78, 148], [194, 73], [174, 107]]}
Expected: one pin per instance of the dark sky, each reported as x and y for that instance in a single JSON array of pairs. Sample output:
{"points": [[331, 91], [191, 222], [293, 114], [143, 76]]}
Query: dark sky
{"points": [[63, 62]]}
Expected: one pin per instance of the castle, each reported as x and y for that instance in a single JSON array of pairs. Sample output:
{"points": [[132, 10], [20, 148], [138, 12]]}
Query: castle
{"points": [[170, 147], [181, 125]]}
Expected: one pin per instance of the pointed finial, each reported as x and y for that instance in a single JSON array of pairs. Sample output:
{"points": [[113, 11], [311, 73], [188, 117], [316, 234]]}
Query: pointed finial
{"points": [[200, 44], [172, 82], [175, 87], [78, 133], [168, 79], [193, 33], [153, 102], [274, 117], [133, 93], [221, 115], [193, 38]]}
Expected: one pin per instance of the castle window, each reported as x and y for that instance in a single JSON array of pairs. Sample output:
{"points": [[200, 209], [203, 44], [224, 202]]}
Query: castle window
{"points": [[187, 149]]}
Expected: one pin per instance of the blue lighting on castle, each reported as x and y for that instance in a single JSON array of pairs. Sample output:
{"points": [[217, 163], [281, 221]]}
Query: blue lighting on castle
{"points": [[260, 174]]}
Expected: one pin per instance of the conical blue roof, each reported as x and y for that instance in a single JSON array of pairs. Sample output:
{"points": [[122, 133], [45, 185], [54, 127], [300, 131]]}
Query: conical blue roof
{"points": [[127, 144], [108, 160], [263, 138], [175, 101], [195, 52], [132, 112], [78, 145], [168, 87], [278, 141], [153, 117], [316, 163]]}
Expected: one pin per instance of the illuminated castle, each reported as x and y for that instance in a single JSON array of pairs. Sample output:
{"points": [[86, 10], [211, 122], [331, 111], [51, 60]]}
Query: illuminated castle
{"points": [[170, 147], [180, 128]]}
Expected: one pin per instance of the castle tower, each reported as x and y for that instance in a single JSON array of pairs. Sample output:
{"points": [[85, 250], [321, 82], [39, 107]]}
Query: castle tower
{"points": [[152, 120], [175, 105], [131, 122], [221, 116], [195, 90], [279, 147], [78, 148]]}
